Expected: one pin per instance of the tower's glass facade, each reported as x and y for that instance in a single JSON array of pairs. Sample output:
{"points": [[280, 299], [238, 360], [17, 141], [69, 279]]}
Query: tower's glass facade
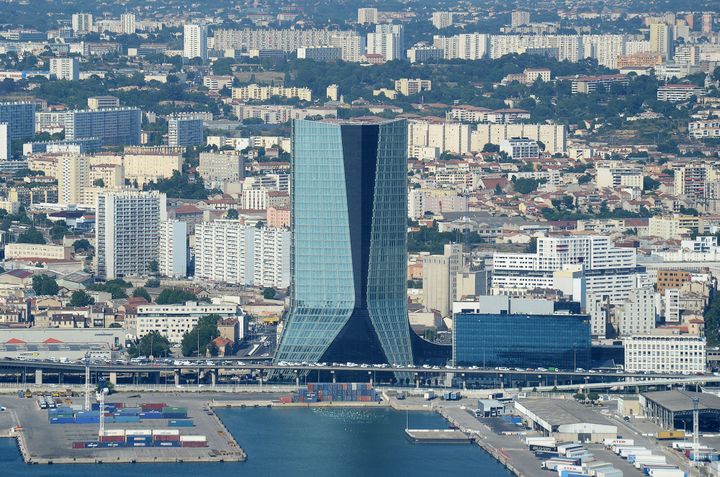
{"points": [[349, 202], [520, 340]]}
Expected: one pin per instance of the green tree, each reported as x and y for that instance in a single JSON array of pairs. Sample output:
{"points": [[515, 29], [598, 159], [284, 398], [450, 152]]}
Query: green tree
{"points": [[232, 214], [153, 266], [152, 344], [44, 285], [174, 296], [712, 321], [80, 298], [152, 283], [526, 186], [269, 293], [31, 235], [203, 333], [142, 292], [117, 288], [81, 246], [650, 184]]}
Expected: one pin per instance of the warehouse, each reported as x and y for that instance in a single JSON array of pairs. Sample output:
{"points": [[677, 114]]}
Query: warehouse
{"points": [[674, 409], [566, 420]]}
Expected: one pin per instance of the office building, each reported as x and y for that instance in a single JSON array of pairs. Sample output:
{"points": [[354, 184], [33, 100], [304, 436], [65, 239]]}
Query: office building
{"points": [[127, 24], [367, 16], [127, 232], [349, 207], [82, 22], [442, 20], [219, 168], [658, 353], [174, 321], [103, 102], [195, 41], [519, 18], [65, 68], [606, 270], [172, 255], [502, 331], [113, 126], [5, 143], [388, 41], [20, 116], [440, 279], [73, 175], [186, 131], [228, 251], [661, 39], [520, 148]]}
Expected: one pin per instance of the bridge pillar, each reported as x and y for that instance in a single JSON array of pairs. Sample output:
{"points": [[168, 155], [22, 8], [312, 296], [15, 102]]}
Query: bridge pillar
{"points": [[154, 377], [213, 377], [177, 377], [38, 376], [113, 378], [334, 377], [260, 377]]}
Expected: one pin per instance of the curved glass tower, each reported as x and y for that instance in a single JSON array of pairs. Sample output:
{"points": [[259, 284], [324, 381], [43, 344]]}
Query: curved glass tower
{"points": [[349, 203]]}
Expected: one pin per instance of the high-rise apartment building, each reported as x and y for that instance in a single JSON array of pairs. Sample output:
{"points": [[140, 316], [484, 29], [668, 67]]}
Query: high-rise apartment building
{"points": [[661, 39], [128, 25], [73, 175], [637, 313], [466, 46], [113, 126], [442, 20], [440, 279], [349, 205], [195, 41], [20, 117], [82, 22], [388, 40], [103, 102], [127, 232], [519, 18], [218, 168], [367, 16], [707, 23], [229, 251], [5, 143], [185, 131], [172, 249], [65, 68]]}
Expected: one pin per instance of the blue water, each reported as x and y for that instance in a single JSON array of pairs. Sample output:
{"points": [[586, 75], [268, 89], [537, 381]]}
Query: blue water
{"points": [[342, 442]]}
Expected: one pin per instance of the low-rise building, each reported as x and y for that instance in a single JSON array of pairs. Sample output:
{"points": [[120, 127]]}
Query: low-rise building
{"points": [[173, 321], [660, 353]]}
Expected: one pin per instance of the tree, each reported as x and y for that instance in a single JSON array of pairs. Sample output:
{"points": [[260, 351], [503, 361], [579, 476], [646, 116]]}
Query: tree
{"points": [[650, 184], [232, 214], [117, 288], [80, 298], [174, 296], [269, 293], [152, 344], [31, 235], [152, 283], [82, 245], [142, 292], [99, 183], [203, 333], [44, 285], [153, 266], [526, 186]]}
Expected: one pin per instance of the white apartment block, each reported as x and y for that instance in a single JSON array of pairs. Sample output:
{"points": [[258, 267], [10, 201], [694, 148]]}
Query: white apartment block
{"points": [[607, 270], [195, 41], [671, 305], [217, 82], [519, 18], [672, 227], [367, 16], [637, 313], [255, 198], [615, 175], [262, 93], [229, 251], [73, 175], [408, 87], [466, 46], [128, 25], [65, 68], [665, 354], [172, 261], [6, 143], [127, 232], [82, 22], [520, 148], [442, 20], [704, 128], [475, 114], [388, 41], [173, 321], [675, 93], [218, 168], [446, 136], [554, 136]]}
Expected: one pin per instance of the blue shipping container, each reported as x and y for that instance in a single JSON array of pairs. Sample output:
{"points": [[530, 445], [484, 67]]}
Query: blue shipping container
{"points": [[124, 419], [167, 443], [180, 423], [62, 420]]}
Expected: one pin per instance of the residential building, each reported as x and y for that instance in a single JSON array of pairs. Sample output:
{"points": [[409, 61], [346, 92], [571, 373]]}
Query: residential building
{"points": [[65, 68], [553, 136], [466, 46], [143, 164], [692, 179], [675, 93], [637, 313], [367, 16], [408, 87], [442, 20], [672, 227], [40, 251], [73, 175], [520, 148], [219, 168], [128, 25], [519, 18], [20, 116], [618, 174], [6, 143], [388, 41], [113, 126], [82, 22], [592, 84], [661, 39], [174, 321], [186, 130], [173, 249], [423, 54], [262, 93], [320, 53], [440, 279], [103, 102], [658, 353], [349, 207], [127, 232], [195, 42]]}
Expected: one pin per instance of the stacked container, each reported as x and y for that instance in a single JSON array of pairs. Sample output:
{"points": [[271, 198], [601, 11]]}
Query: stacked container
{"points": [[193, 441]]}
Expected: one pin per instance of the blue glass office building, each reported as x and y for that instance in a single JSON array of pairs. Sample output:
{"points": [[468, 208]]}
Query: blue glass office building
{"points": [[349, 203], [522, 341]]}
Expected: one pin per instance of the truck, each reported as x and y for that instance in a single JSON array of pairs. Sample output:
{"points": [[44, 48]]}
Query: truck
{"points": [[649, 459], [551, 464], [618, 442], [564, 448], [666, 435]]}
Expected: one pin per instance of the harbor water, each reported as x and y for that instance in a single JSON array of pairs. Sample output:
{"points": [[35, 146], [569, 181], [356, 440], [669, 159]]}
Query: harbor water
{"points": [[318, 442]]}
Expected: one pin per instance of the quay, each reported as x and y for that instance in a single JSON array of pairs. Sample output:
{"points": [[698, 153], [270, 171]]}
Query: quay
{"points": [[437, 436]]}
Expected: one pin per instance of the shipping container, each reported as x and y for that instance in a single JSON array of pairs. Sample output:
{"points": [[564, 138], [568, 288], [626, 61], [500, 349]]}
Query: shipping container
{"points": [[194, 444], [153, 406], [166, 438], [180, 423], [193, 438], [618, 442], [167, 444], [126, 419], [112, 438], [138, 432], [662, 435]]}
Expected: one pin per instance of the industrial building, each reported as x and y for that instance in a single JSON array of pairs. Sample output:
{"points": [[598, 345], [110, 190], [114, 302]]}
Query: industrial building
{"points": [[566, 420], [674, 409]]}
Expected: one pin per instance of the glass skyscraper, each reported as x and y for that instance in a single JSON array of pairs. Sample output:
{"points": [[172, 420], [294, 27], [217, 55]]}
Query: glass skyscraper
{"points": [[349, 221]]}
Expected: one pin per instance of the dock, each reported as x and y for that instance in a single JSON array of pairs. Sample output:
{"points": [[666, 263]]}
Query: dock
{"points": [[438, 436]]}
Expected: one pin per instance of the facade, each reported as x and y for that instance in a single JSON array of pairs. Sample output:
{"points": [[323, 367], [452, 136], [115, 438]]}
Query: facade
{"points": [[6, 143], [661, 39], [388, 41], [440, 279], [33, 250], [173, 321], [349, 206], [82, 22], [103, 102], [466, 46], [442, 20], [520, 148], [195, 41], [665, 354], [128, 25], [367, 16], [73, 175], [20, 116], [185, 131], [593, 84], [229, 251], [679, 92], [127, 232], [65, 68], [618, 174], [113, 126], [172, 261], [554, 136], [320, 53], [637, 313], [262, 93], [519, 18], [217, 168], [408, 87], [521, 340]]}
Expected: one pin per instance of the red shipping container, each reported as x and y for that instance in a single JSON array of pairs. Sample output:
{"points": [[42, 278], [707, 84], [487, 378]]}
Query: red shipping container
{"points": [[286, 399], [112, 438], [152, 406], [167, 438], [194, 444], [78, 445]]}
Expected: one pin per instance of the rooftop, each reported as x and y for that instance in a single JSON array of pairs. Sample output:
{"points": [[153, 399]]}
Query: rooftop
{"points": [[558, 412], [677, 401]]}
